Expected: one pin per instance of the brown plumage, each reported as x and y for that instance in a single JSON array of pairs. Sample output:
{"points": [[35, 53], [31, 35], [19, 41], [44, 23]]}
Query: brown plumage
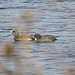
{"points": [[44, 38], [18, 37]]}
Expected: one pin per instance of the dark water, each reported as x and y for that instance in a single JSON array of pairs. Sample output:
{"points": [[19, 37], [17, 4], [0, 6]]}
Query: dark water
{"points": [[52, 17]]}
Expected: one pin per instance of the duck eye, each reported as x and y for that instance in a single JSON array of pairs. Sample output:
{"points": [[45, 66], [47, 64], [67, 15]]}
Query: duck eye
{"points": [[13, 31]]}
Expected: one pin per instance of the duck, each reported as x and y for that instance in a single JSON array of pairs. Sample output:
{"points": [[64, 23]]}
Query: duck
{"points": [[44, 38], [18, 37]]}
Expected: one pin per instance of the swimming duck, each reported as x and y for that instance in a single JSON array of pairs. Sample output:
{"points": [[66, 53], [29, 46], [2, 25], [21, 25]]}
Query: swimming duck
{"points": [[18, 37], [44, 38]]}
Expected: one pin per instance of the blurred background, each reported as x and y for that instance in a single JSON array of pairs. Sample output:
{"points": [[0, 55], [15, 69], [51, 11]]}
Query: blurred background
{"points": [[46, 17]]}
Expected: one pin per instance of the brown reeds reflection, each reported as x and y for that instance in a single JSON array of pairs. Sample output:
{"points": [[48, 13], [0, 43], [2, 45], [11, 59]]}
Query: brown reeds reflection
{"points": [[9, 55], [4, 69], [28, 16], [71, 70], [8, 50], [28, 19], [36, 69]]}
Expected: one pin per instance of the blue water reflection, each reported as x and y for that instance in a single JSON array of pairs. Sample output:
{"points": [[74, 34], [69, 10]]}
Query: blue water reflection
{"points": [[51, 17]]}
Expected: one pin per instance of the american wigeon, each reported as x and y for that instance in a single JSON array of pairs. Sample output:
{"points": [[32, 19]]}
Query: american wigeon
{"points": [[18, 37], [44, 38]]}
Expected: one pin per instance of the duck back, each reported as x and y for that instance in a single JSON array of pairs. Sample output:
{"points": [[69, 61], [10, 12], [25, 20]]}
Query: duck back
{"points": [[47, 38]]}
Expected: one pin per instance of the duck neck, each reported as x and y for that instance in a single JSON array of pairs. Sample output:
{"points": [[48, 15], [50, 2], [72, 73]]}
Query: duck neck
{"points": [[16, 35]]}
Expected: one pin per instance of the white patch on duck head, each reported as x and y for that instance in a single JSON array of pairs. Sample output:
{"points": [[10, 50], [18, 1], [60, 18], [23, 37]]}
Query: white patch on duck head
{"points": [[35, 39]]}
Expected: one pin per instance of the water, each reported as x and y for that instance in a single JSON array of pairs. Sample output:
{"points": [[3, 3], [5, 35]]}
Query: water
{"points": [[49, 17]]}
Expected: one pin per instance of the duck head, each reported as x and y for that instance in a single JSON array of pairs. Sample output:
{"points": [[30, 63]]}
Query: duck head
{"points": [[15, 33], [37, 36]]}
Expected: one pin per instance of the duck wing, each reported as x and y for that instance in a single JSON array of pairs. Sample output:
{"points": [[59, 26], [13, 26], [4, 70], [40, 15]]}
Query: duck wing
{"points": [[22, 38]]}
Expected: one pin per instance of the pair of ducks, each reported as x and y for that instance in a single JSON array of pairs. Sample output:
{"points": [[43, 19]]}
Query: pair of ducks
{"points": [[36, 37]]}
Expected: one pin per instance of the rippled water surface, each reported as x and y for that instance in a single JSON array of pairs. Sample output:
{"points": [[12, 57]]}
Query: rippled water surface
{"points": [[52, 17]]}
